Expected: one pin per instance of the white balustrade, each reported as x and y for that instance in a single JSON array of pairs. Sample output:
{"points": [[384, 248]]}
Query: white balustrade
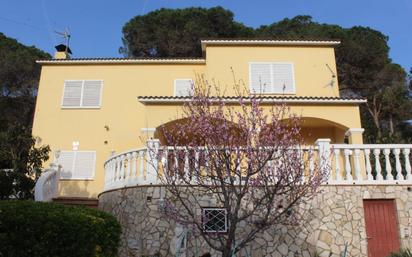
{"points": [[380, 164], [46, 187], [348, 164], [126, 169]]}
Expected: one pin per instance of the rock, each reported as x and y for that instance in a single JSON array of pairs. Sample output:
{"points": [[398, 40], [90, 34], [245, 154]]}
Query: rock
{"points": [[325, 237], [283, 249]]}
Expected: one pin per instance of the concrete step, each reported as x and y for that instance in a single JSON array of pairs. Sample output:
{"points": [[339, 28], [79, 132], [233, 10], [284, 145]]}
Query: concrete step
{"points": [[78, 201]]}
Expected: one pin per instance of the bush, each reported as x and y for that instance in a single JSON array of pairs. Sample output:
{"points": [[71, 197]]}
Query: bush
{"points": [[38, 229], [402, 253]]}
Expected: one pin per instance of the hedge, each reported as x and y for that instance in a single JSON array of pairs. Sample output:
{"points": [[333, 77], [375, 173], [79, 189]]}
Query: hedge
{"points": [[38, 229]]}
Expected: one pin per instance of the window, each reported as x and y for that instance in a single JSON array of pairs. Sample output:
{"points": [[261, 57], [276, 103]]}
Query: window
{"points": [[77, 164], [271, 77], [82, 93], [183, 87], [214, 220]]}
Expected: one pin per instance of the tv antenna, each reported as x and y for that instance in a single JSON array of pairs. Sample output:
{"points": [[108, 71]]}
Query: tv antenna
{"points": [[66, 37], [332, 82]]}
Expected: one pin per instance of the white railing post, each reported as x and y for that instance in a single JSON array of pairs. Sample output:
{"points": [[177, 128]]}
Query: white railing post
{"points": [[406, 152], [368, 165], [128, 168], [141, 176], [378, 169], [356, 158], [165, 162], [398, 165], [324, 153], [134, 168], [348, 168], [388, 167], [338, 172], [152, 160]]}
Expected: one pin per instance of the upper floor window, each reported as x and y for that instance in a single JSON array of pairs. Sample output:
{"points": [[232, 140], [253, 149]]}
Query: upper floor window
{"points": [[271, 78], [77, 164], [82, 93], [183, 87]]}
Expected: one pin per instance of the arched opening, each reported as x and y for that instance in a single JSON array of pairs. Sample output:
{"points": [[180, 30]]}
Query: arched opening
{"points": [[314, 128], [196, 137], [184, 132]]}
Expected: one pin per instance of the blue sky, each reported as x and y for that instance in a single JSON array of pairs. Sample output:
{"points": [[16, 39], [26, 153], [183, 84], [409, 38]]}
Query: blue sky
{"points": [[96, 25]]}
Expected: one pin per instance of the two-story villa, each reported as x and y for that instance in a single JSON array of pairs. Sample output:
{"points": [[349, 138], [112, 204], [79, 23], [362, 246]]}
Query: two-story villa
{"points": [[97, 111]]}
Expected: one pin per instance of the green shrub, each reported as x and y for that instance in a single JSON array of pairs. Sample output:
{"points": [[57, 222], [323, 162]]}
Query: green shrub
{"points": [[402, 253], [52, 230]]}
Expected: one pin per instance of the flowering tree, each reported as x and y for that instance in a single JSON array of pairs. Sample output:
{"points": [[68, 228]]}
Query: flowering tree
{"points": [[234, 167]]}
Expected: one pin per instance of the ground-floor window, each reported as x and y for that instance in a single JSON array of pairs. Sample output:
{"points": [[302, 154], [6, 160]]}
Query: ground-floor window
{"points": [[215, 220]]}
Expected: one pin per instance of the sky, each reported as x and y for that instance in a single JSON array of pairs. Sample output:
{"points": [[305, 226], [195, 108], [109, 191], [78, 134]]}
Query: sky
{"points": [[96, 25]]}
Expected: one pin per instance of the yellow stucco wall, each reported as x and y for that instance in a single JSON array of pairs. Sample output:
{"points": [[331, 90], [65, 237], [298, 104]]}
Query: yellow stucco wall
{"points": [[312, 75], [125, 116]]}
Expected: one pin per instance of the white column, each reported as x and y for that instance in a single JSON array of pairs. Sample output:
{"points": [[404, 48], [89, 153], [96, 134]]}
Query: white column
{"points": [[152, 160], [355, 135]]}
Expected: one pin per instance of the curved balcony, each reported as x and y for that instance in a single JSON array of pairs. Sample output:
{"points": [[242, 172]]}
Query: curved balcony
{"points": [[349, 164]]}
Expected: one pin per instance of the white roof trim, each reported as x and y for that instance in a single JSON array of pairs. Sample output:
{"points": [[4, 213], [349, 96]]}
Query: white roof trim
{"points": [[292, 101], [121, 61], [268, 42]]}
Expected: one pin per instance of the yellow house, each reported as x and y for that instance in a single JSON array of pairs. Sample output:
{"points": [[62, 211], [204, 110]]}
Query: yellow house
{"points": [[100, 115], [97, 107]]}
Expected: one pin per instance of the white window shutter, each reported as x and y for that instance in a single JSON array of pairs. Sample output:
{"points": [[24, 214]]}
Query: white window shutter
{"points": [[84, 165], [72, 93], [275, 78], [260, 77], [66, 160], [77, 164], [183, 87], [283, 78], [92, 93]]}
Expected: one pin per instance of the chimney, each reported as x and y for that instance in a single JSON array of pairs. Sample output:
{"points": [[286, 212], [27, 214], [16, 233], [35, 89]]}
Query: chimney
{"points": [[62, 52]]}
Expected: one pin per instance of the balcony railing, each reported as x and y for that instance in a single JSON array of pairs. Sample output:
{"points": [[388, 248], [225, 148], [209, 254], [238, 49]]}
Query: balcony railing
{"points": [[46, 187], [371, 164], [375, 164]]}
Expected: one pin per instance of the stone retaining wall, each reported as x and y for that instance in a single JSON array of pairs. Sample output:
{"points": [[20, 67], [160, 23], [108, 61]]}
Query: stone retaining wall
{"points": [[336, 218]]}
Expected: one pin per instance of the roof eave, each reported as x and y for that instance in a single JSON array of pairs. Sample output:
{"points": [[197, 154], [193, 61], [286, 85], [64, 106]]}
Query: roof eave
{"points": [[204, 43], [178, 100], [122, 61]]}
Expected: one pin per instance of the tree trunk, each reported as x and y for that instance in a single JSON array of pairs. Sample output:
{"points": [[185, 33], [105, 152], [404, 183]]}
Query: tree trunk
{"points": [[227, 253], [391, 129], [377, 125], [374, 111]]}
